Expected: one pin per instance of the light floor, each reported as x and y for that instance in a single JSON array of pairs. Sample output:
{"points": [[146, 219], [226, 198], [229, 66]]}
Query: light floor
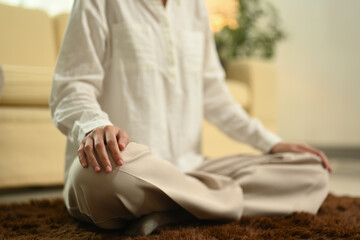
{"points": [[345, 180]]}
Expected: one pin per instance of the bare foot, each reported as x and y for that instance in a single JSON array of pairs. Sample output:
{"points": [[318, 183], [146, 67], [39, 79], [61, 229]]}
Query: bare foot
{"points": [[148, 223]]}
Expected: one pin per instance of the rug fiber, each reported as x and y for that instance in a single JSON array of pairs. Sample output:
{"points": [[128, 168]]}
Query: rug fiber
{"points": [[338, 218]]}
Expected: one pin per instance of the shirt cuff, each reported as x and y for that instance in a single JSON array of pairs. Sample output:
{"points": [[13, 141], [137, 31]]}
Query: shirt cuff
{"points": [[86, 127], [267, 141]]}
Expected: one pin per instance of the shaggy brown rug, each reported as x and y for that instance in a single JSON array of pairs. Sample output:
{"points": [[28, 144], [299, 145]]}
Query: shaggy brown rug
{"points": [[338, 218]]}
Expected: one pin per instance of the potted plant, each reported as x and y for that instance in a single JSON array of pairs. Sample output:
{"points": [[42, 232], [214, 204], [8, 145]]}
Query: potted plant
{"points": [[254, 34]]}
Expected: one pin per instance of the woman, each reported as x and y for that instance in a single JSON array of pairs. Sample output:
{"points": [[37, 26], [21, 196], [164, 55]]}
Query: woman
{"points": [[140, 75]]}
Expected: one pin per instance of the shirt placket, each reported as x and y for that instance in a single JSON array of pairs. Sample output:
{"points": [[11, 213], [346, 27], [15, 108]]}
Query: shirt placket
{"points": [[171, 74], [170, 50]]}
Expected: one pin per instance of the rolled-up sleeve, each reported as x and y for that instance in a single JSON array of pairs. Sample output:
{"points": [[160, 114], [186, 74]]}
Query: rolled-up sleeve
{"points": [[79, 72], [220, 108]]}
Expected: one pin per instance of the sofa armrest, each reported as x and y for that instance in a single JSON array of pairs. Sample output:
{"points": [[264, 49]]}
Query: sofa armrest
{"points": [[261, 79]]}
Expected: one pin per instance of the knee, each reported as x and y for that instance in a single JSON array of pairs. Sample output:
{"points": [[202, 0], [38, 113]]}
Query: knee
{"points": [[101, 197], [104, 183], [320, 173], [316, 193], [124, 193], [317, 172], [101, 184], [322, 177]]}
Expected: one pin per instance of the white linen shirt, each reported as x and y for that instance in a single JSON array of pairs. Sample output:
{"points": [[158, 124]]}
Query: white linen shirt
{"points": [[151, 70]]}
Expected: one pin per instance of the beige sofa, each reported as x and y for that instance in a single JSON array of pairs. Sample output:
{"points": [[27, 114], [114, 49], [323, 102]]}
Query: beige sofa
{"points": [[31, 148]]}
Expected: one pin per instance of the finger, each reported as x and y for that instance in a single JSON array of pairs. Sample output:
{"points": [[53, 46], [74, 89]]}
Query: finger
{"points": [[310, 149], [81, 155], [101, 150], [123, 140], [111, 142], [90, 154], [324, 159]]}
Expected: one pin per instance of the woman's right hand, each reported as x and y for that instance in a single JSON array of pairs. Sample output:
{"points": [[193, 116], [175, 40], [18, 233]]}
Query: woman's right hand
{"points": [[93, 147]]}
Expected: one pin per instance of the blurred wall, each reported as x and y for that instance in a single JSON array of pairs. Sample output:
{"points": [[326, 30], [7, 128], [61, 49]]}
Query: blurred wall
{"points": [[319, 72]]}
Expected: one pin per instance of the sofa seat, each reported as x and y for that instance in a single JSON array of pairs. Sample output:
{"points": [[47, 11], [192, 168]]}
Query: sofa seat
{"points": [[32, 149]]}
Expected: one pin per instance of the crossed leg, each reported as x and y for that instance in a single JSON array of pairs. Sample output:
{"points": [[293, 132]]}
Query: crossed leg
{"points": [[275, 184], [155, 192]]}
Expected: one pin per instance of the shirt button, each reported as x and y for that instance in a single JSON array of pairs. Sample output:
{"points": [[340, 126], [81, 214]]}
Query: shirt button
{"points": [[171, 61]]}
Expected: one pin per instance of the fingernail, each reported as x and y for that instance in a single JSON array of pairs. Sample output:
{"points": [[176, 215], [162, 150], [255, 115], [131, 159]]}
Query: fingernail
{"points": [[97, 168], [108, 169], [122, 146]]}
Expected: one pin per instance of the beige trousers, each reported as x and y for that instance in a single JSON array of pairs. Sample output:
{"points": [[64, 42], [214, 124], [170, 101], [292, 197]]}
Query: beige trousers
{"points": [[222, 189]]}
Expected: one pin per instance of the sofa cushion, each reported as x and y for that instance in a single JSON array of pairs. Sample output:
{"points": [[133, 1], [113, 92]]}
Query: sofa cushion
{"points": [[27, 37], [26, 85]]}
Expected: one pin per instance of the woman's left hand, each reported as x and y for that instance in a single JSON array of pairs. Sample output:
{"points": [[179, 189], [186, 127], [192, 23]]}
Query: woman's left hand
{"points": [[301, 148]]}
